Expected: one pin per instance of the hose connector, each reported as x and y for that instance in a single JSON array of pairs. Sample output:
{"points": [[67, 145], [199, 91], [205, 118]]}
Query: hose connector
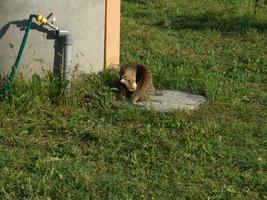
{"points": [[41, 19], [44, 21]]}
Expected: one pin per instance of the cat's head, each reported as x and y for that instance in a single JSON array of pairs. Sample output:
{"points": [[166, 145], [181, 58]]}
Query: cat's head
{"points": [[129, 83], [128, 77]]}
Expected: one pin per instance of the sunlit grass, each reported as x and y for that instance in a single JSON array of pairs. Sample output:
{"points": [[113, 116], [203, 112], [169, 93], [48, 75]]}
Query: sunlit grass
{"points": [[92, 146]]}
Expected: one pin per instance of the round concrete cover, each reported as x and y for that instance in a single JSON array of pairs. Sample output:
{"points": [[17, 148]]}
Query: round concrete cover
{"points": [[168, 100]]}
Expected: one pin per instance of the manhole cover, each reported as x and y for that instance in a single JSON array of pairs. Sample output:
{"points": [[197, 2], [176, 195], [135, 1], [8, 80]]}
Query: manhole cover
{"points": [[168, 100]]}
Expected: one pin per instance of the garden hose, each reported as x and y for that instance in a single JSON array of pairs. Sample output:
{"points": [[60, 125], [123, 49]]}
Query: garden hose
{"points": [[6, 85]]}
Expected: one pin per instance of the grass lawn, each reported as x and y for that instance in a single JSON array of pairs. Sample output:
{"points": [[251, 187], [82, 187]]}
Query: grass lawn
{"points": [[52, 148]]}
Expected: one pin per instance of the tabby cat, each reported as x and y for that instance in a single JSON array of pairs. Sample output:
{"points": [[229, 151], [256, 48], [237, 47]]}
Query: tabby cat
{"points": [[137, 79]]}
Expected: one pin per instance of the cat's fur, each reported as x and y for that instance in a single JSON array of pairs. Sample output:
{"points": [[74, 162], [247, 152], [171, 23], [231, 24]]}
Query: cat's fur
{"points": [[137, 79]]}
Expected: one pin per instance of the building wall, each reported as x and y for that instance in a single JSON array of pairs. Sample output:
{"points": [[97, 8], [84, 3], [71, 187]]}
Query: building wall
{"points": [[85, 19]]}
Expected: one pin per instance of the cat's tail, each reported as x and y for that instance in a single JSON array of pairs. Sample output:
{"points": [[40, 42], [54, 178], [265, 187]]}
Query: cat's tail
{"points": [[143, 74]]}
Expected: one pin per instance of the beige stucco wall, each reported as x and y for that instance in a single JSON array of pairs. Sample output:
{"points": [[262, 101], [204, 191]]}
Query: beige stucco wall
{"points": [[85, 19]]}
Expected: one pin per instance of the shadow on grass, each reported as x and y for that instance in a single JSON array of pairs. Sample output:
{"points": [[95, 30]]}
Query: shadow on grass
{"points": [[214, 21], [86, 137], [137, 1]]}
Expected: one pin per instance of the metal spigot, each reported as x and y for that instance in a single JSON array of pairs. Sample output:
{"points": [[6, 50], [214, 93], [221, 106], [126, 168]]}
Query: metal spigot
{"points": [[44, 21]]}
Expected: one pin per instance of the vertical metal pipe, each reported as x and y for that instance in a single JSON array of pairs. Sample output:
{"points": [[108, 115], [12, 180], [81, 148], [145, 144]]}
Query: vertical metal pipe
{"points": [[67, 65], [67, 42]]}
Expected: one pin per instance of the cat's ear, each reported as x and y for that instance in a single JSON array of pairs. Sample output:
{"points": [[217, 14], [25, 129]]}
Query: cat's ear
{"points": [[123, 81]]}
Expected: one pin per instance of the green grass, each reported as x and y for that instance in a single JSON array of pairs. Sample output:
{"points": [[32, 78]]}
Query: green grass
{"points": [[57, 148]]}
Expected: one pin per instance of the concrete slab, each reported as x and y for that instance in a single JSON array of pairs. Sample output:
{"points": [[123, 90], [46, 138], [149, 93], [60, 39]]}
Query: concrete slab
{"points": [[169, 100]]}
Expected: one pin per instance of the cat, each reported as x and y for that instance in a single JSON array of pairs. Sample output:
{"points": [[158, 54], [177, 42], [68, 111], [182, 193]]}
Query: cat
{"points": [[137, 79]]}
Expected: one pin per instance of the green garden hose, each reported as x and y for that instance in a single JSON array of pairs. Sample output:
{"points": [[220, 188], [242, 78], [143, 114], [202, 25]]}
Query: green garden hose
{"points": [[7, 83]]}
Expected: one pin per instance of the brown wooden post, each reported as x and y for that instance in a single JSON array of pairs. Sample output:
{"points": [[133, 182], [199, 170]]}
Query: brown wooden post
{"points": [[112, 34]]}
